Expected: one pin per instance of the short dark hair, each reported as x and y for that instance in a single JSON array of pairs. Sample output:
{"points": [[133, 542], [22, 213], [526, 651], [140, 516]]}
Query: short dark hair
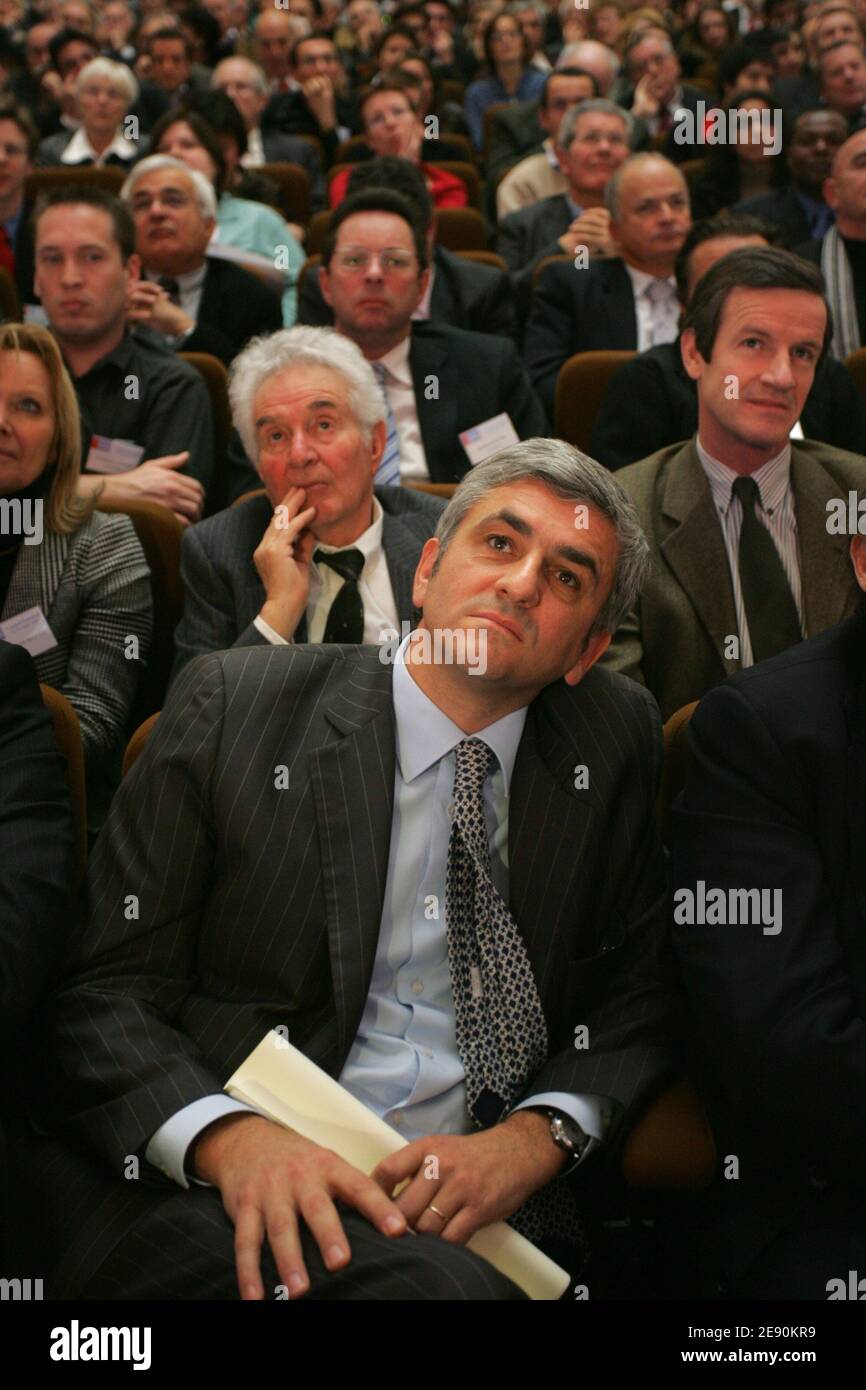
{"points": [[202, 131], [723, 224], [488, 39], [390, 171], [565, 72], [739, 56], [375, 200], [67, 36], [11, 110], [390, 82], [84, 193], [167, 32], [752, 268], [219, 112], [388, 33], [309, 38]]}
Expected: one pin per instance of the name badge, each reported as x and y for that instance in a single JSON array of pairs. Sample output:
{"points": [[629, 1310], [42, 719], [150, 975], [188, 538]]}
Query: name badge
{"points": [[489, 437], [113, 455], [29, 630]]}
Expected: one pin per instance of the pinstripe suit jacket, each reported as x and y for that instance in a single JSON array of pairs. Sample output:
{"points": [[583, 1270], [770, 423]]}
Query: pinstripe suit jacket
{"points": [[223, 591], [94, 589], [258, 907]]}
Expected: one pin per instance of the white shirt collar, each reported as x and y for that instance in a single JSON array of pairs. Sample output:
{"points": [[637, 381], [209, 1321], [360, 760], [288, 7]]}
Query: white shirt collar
{"points": [[641, 280], [425, 734], [773, 478], [369, 542], [80, 148], [396, 362]]}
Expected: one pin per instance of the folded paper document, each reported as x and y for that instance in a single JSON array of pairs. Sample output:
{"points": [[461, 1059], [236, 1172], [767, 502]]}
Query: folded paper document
{"points": [[286, 1086]]}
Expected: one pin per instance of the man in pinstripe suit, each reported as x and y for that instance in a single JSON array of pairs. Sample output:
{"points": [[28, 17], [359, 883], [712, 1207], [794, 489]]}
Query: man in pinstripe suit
{"points": [[280, 839]]}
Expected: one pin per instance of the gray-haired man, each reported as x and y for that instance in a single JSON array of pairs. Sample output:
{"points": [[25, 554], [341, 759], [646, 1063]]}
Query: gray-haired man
{"points": [[503, 1008], [278, 567]]}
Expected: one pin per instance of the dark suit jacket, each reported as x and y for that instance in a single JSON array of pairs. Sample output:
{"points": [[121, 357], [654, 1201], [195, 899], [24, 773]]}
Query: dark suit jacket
{"points": [[223, 590], [288, 112], [516, 133], [652, 402], [462, 379], [669, 146], [25, 261], [577, 311], [776, 799], [158, 1012], [782, 208], [465, 295], [674, 641], [528, 235], [35, 843], [234, 307], [288, 149]]}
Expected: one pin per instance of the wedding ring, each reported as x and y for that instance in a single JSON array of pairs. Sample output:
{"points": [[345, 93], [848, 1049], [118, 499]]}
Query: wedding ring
{"points": [[439, 1213]]}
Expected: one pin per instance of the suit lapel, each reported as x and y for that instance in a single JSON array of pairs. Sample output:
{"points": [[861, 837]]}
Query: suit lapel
{"points": [[353, 789], [446, 303], [36, 576], [620, 310], [401, 553], [694, 548], [435, 401], [825, 569], [544, 874]]}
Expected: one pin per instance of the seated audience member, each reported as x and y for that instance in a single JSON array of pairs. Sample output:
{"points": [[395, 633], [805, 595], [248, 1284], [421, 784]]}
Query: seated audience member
{"points": [[36, 837], [456, 54], [841, 252], [750, 165], [117, 30], [788, 52], [320, 557], [104, 92], [135, 395], [627, 302], [71, 50], [197, 303], [776, 759], [531, 15], [32, 85], [438, 381], [320, 104], [85, 573], [390, 48], [461, 293], [270, 249], [737, 518], [592, 142], [392, 126], [746, 65], [275, 33], [430, 102], [193, 830], [245, 83], [18, 144], [704, 41], [171, 65], [510, 78], [418, 89], [540, 175], [799, 209], [652, 401], [842, 82], [658, 94]]}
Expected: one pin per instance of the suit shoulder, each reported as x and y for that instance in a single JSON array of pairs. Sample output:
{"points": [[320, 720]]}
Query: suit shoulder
{"points": [[404, 501], [616, 711], [232, 526], [465, 343], [640, 479], [842, 465]]}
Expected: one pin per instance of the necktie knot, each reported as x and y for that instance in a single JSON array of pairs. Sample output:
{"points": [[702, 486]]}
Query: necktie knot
{"points": [[658, 292], [473, 761], [347, 563], [747, 493]]}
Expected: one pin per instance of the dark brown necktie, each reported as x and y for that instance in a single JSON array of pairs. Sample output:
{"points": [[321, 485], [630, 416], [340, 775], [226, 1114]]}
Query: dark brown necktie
{"points": [[771, 612]]}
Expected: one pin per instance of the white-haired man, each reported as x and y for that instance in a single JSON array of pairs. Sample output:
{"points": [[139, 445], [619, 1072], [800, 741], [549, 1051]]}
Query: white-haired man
{"points": [[197, 304], [321, 556]]}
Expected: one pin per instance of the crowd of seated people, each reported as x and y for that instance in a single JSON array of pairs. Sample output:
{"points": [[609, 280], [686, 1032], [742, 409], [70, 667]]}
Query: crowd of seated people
{"points": [[328, 326]]}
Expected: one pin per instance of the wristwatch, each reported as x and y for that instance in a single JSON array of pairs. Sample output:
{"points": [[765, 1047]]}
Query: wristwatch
{"points": [[567, 1134]]}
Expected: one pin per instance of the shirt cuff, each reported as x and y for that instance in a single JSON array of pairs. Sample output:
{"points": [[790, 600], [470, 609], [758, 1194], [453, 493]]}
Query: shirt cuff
{"points": [[168, 1146], [589, 1112], [269, 633]]}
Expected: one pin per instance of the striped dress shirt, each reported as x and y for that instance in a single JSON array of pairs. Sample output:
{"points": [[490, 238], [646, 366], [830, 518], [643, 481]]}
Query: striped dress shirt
{"points": [[776, 512]]}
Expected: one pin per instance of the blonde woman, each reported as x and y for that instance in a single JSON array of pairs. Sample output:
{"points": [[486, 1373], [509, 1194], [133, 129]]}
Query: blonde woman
{"points": [[80, 574]]}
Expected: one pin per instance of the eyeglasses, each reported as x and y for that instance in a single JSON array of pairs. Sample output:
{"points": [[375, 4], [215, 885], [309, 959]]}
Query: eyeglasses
{"points": [[169, 197], [392, 262], [595, 137]]}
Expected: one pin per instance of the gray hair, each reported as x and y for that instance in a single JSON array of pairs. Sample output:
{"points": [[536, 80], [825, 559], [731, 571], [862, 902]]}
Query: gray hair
{"points": [[271, 353], [568, 124], [570, 57], [611, 192], [118, 74], [576, 477], [518, 6], [204, 190], [259, 77], [657, 31]]}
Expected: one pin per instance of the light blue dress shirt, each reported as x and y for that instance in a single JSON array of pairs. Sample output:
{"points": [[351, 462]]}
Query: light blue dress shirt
{"points": [[404, 1063]]}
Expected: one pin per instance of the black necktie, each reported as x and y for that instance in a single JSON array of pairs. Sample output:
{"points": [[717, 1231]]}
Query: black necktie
{"points": [[771, 612], [171, 287], [346, 616], [500, 1026]]}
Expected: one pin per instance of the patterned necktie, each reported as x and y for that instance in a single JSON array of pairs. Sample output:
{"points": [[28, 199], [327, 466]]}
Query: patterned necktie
{"points": [[663, 312], [171, 287], [500, 1026], [771, 612], [388, 472], [7, 253], [345, 621]]}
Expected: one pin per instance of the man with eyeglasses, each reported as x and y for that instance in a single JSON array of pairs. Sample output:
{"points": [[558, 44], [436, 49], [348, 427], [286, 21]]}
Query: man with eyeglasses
{"points": [[438, 382], [593, 140], [628, 301], [198, 304]]}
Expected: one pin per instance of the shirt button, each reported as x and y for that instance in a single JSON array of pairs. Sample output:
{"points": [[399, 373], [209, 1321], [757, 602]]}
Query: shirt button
{"points": [[417, 987], [397, 1117]]}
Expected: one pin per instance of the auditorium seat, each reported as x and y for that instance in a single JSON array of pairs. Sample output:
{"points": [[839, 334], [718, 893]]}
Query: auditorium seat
{"points": [[108, 176], [485, 258], [159, 532], [445, 490], [10, 304], [580, 389], [293, 181], [67, 733], [461, 229], [856, 365], [216, 379], [672, 1146], [135, 747], [539, 270]]}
